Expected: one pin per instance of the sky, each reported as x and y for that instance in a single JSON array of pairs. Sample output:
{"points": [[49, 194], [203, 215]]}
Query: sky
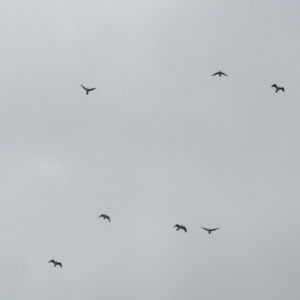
{"points": [[159, 142]]}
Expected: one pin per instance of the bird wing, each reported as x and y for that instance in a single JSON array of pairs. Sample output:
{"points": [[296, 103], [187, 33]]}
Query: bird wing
{"points": [[205, 228], [215, 74], [282, 88], [274, 85], [108, 218], [59, 264], [52, 260], [175, 225], [91, 89], [184, 229], [100, 216], [214, 229], [84, 87], [222, 73]]}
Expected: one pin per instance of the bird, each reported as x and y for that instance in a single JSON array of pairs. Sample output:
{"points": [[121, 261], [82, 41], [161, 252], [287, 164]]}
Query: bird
{"points": [[180, 227], [219, 73], [209, 230], [278, 88], [55, 263], [87, 89], [105, 217]]}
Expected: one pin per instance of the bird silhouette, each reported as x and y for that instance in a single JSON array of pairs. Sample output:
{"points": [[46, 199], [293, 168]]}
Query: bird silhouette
{"points": [[104, 217], [209, 230], [56, 263], [278, 88], [219, 73], [180, 227], [87, 89]]}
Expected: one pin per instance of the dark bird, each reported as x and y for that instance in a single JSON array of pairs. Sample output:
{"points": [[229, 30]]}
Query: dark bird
{"points": [[180, 227], [105, 217], [278, 88], [56, 263], [219, 73], [88, 90], [209, 230]]}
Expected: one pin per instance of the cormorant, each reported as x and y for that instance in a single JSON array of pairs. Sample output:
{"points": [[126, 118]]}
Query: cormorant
{"points": [[210, 230], [88, 90], [219, 73], [56, 263], [105, 217], [278, 88], [180, 227]]}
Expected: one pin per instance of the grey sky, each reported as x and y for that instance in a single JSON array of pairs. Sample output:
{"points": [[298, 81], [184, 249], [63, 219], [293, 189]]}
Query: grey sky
{"points": [[159, 142]]}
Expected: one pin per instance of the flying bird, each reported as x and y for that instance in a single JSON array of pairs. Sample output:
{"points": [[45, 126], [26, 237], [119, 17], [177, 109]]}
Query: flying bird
{"points": [[87, 89], [278, 88], [105, 217], [209, 230], [180, 227], [56, 263], [219, 73]]}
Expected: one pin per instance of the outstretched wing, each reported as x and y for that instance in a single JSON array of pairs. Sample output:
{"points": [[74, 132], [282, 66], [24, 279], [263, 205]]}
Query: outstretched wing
{"points": [[101, 216], [217, 73], [108, 218], [222, 73], [205, 228], [91, 89], [274, 85], [282, 89], [214, 229], [184, 228], [59, 264], [84, 87], [52, 260], [176, 225]]}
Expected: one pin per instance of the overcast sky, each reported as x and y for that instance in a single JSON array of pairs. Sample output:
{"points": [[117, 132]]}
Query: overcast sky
{"points": [[159, 142]]}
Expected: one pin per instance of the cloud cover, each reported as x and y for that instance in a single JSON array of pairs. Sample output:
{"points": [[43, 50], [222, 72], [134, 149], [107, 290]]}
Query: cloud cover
{"points": [[159, 142]]}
